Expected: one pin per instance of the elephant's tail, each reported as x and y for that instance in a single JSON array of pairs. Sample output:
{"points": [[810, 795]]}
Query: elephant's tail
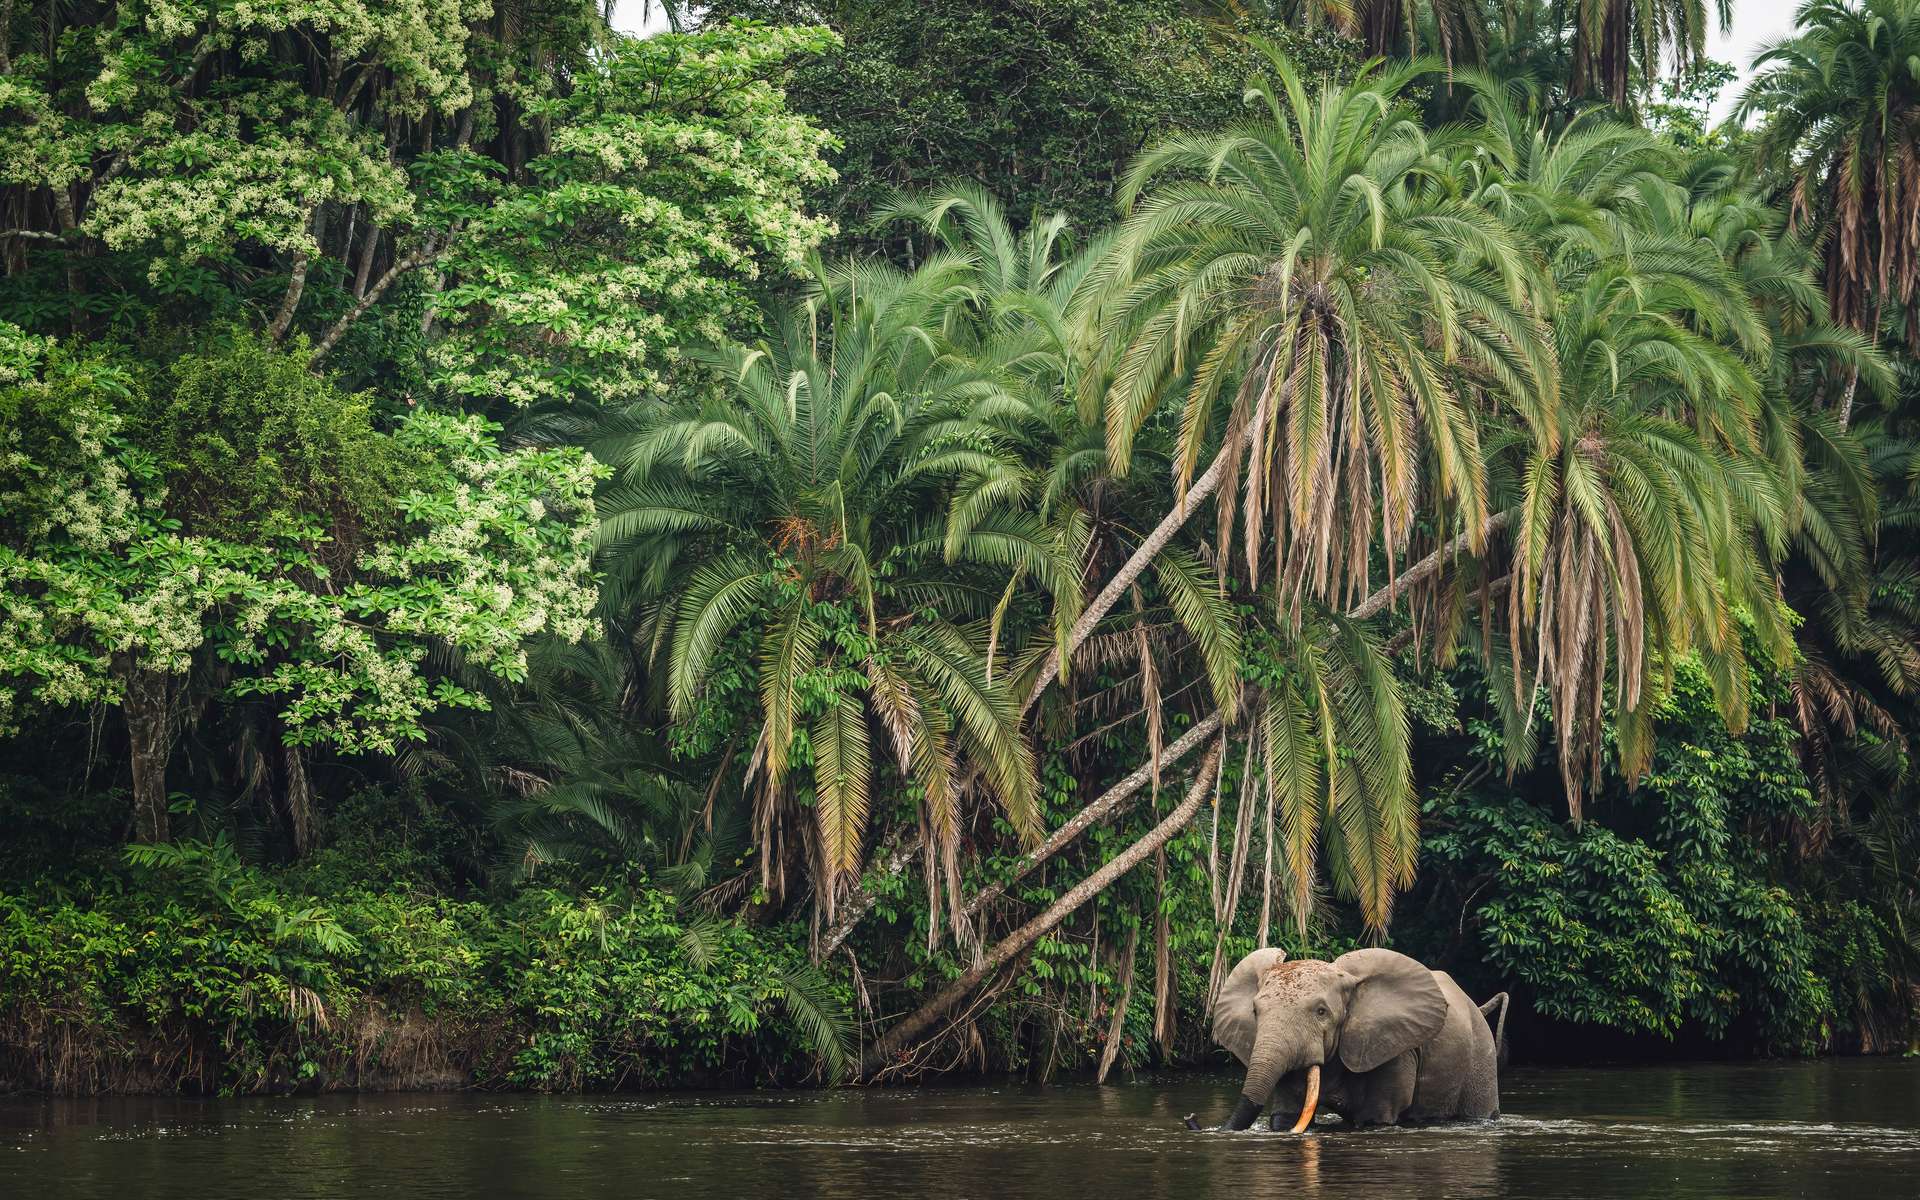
{"points": [[1499, 1023]]}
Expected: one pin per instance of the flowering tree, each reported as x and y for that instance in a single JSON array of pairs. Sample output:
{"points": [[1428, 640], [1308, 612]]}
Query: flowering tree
{"points": [[118, 586], [500, 210]]}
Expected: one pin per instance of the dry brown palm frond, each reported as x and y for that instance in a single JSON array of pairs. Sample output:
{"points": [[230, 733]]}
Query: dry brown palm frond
{"points": [[1121, 647]]}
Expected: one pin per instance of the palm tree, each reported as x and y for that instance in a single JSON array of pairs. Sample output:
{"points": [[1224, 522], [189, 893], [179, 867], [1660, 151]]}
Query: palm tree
{"points": [[831, 508], [1311, 258], [1649, 518], [1678, 467], [1336, 688], [1855, 649], [1841, 102], [1026, 321], [1610, 36]]}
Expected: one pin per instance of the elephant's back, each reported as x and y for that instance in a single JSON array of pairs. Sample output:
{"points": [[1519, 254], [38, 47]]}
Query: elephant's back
{"points": [[1459, 1074]]}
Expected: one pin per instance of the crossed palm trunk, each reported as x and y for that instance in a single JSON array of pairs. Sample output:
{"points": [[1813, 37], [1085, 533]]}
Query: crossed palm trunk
{"points": [[904, 1034]]}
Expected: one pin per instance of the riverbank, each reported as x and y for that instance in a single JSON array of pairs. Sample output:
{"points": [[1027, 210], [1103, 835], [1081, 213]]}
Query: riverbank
{"points": [[196, 974], [396, 955], [193, 972], [258, 991]]}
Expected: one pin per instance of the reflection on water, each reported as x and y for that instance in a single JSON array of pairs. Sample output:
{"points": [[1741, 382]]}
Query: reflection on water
{"points": [[1765, 1130]]}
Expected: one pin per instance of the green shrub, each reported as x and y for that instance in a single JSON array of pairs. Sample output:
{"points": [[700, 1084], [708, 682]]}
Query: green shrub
{"points": [[189, 969], [1673, 906], [247, 436]]}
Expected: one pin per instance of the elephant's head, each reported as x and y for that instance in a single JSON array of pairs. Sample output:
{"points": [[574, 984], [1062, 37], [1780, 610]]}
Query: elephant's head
{"points": [[1277, 1017]]}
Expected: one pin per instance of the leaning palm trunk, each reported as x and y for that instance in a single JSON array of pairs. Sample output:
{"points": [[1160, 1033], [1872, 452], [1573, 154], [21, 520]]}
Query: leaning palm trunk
{"points": [[898, 851], [1133, 568], [1111, 799], [909, 1030]]}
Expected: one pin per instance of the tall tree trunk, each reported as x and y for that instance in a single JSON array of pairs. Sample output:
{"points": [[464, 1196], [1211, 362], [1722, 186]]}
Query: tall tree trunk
{"points": [[148, 705], [290, 301], [1109, 800], [1846, 401], [371, 296], [69, 217], [1137, 564], [908, 1031]]}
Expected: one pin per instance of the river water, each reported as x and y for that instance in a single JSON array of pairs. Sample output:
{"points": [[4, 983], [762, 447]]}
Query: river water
{"points": [[1846, 1128]]}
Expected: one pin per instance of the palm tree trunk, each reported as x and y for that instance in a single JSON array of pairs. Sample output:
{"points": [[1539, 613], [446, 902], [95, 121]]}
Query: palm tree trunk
{"points": [[894, 854], [908, 1031], [1132, 569], [912, 1026], [1109, 800], [894, 857], [1077, 824], [1377, 603]]}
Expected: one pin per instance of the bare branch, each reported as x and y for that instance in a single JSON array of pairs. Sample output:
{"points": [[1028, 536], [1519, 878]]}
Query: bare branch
{"points": [[407, 262]]}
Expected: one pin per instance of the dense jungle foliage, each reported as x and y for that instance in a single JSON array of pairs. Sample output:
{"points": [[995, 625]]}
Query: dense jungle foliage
{"points": [[863, 540]]}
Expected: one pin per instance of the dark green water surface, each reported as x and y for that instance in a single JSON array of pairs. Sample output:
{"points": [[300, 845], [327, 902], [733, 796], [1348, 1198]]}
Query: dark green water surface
{"points": [[1848, 1129]]}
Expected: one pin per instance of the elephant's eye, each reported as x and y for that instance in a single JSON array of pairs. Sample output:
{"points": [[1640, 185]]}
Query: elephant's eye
{"points": [[1323, 1010]]}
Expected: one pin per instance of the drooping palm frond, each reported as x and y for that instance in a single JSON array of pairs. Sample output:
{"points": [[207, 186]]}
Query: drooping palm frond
{"points": [[1311, 263], [1334, 743], [818, 1013], [1644, 520]]}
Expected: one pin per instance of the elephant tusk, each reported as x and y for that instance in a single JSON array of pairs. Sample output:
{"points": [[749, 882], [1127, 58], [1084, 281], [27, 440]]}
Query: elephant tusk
{"points": [[1312, 1101]]}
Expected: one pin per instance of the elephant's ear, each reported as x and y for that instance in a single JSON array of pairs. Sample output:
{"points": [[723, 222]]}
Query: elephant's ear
{"points": [[1233, 1008], [1396, 1006]]}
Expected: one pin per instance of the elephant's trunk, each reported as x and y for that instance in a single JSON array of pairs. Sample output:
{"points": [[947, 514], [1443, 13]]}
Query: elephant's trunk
{"points": [[1272, 1058], [1243, 1115], [1269, 1060]]}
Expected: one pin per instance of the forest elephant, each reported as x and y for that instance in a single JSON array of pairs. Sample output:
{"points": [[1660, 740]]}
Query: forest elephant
{"points": [[1373, 1036]]}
